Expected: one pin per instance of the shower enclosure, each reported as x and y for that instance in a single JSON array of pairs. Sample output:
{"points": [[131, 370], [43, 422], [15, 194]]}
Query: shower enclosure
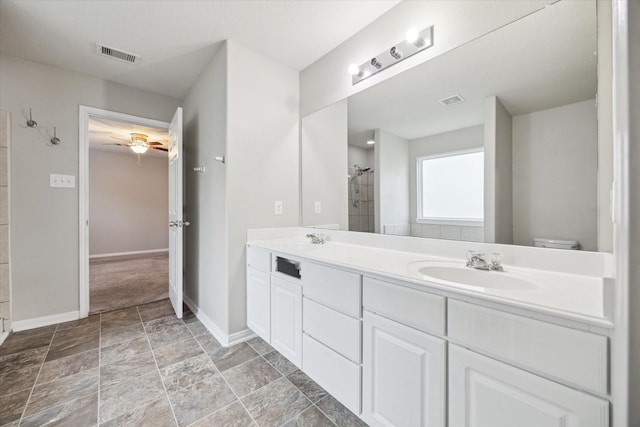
{"points": [[361, 199]]}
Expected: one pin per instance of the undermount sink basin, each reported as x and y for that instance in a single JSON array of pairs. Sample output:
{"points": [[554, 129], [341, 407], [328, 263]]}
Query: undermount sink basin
{"points": [[461, 274]]}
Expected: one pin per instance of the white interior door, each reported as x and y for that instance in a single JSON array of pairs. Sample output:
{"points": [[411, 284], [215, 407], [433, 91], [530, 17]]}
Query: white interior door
{"points": [[176, 225]]}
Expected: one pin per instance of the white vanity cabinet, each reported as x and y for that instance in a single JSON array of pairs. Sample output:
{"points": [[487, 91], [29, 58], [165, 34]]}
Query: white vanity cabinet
{"points": [[333, 331], [486, 393], [286, 318], [404, 368], [530, 373], [259, 292]]}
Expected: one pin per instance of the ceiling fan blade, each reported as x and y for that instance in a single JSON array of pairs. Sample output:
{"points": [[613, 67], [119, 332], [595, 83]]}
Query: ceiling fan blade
{"points": [[154, 143], [159, 148], [121, 139], [120, 145]]}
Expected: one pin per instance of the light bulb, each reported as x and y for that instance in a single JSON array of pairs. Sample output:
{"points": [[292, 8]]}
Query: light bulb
{"points": [[139, 149], [395, 52], [376, 64], [413, 36], [355, 70]]}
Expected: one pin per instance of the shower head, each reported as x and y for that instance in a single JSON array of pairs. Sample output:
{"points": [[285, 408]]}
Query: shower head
{"points": [[358, 170], [365, 170]]}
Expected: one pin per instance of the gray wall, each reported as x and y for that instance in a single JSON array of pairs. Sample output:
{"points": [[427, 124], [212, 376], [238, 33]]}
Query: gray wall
{"points": [[44, 256], [263, 153], [391, 182], [243, 106], [498, 173], [324, 166], [555, 156], [205, 197], [128, 202]]}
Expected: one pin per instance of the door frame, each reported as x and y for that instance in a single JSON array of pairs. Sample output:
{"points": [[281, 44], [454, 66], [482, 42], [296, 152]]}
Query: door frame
{"points": [[85, 113]]}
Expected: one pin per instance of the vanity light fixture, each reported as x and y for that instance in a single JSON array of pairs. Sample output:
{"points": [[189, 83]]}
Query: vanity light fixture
{"points": [[415, 42], [395, 52], [376, 64], [371, 142]]}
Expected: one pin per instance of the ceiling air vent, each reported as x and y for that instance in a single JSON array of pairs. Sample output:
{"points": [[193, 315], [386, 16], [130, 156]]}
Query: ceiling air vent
{"points": [[120, 55], [451, 100]]}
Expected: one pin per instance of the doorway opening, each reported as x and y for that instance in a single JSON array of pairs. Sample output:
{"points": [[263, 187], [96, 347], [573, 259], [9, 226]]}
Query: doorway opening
{"points": [[123, 185]]}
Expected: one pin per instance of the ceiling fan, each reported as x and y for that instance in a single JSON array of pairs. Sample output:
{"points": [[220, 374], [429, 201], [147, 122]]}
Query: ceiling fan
{"points": [[139, 143]]}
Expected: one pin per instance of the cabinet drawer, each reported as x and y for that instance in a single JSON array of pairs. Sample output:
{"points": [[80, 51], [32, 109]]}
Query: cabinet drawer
{"points": [[332, 287], [571, 356], [333, 372], [335, 330], [417, 309], [258, 259]]}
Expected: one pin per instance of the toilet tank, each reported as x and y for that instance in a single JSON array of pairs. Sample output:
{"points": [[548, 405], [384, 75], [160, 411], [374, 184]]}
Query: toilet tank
{"points": [[555, 243]]}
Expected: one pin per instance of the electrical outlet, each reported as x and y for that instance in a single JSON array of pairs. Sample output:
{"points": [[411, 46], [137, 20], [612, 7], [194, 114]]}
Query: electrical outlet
{"points": [[62, 181], [317, 207], [277, 207]]}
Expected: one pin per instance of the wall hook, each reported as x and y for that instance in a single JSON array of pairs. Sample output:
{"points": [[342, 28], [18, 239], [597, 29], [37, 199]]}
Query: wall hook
{"points": [[31, 123], [55, 140]]}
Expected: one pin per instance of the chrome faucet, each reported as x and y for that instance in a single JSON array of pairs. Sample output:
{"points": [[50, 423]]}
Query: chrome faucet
{"points": [[316, 238], [478, 261]]}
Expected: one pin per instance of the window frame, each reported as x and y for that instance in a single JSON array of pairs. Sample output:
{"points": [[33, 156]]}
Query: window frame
{"points": [[420, 219]]}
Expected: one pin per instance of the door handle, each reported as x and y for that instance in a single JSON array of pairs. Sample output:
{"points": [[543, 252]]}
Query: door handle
{"points": [[173, 224], [186, 223]]}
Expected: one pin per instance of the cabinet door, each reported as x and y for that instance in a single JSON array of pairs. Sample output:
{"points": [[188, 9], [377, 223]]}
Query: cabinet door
{"points": [[286, 319], [259, 303], [486, 393], [403, 375]]}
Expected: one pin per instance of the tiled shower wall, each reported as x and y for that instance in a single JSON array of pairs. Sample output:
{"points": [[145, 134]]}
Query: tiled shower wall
{"points": [[448, 232], [5, 306], [361, 202]]}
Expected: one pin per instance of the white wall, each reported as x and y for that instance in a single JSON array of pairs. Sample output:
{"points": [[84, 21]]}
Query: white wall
{"points": [[553, 147], [455, 23], [205, 245], [128, 203], [44, 224], [460, 139], [391, 181], [324, 166], [498, 173], [263, 154]]}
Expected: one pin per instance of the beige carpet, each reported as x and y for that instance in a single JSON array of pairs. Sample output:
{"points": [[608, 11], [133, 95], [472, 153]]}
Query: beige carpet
{"points": [[127, 281]]}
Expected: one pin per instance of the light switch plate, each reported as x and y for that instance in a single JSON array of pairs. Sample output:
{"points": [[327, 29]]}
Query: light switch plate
{"points": [[277, 207], [317, 207], [62, 181]]}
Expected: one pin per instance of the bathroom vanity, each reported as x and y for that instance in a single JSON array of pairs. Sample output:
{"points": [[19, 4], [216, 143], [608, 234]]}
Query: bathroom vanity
{"points": [[526, 346]]}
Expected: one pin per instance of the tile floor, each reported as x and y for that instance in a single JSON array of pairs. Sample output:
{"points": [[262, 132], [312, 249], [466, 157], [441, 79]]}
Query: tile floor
{"points": [[141, 366]]}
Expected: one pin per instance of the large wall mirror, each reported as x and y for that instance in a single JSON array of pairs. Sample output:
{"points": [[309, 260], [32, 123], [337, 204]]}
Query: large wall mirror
{"points": [[494, 141]]}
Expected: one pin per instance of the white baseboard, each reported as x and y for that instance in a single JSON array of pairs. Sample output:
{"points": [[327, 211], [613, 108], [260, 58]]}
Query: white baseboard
{"points": [[224, 339], [23, 325], [3, 336], [150, 251]]}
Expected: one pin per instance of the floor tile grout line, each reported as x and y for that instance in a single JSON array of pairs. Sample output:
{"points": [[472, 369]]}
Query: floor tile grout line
{"points": [[35, 381], [223, 379], [166, 393]]}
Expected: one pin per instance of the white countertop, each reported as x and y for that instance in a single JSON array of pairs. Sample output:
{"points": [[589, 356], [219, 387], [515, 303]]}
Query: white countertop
{"points": [[570, 296]]}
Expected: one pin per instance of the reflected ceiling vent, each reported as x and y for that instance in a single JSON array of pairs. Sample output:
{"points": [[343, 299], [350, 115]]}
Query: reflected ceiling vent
{"points": [[119, 55], [451, 100]]}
